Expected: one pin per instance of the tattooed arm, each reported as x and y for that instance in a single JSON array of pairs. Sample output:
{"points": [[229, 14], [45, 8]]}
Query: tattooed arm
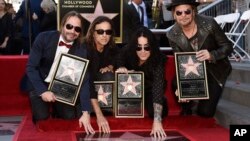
{"points": [[157, 129], [157, 112]]}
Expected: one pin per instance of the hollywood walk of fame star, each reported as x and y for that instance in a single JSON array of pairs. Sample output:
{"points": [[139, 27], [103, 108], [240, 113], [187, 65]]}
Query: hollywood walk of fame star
{"points": [[70, 70], [98, 12], [102, 96], [129, 85], [190, 66], [131, 135]]}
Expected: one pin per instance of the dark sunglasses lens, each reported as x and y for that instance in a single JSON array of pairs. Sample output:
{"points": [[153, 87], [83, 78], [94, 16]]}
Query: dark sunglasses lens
{"points": [[188, 12], [147, 48], [69, 26], [178, 13], [78, 29], [100, 31], [108, 32]]}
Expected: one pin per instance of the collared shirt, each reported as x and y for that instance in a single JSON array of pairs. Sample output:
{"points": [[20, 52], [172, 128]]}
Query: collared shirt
{"points": [[59, 51], [145, 18]]}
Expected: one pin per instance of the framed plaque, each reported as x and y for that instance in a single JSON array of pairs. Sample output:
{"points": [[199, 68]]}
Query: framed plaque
{"points": [[67, 78], [191, 76], [129, 96], [105, 92], [90, 9]]}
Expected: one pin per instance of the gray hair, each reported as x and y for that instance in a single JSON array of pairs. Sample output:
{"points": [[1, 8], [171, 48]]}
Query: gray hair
{"points": [[49, 5]]}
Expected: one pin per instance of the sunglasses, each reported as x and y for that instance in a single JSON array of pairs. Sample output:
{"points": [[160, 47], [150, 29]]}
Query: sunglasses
{"points": [[76, 28], [140, 48], [101, 31], [187, 12]]}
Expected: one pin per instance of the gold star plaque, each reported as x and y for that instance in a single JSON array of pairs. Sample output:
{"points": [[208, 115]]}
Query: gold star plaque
{"points": [[105, 93], [191, 76], [129, 95], [67, 78]]}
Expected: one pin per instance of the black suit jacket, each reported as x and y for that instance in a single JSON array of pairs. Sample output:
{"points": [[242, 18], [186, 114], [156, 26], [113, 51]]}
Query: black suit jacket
{"points": [[41, 59], [131, 21]]}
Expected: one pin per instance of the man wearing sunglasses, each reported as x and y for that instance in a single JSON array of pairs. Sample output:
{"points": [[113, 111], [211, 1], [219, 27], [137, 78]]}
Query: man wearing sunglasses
{"points": [[41, 65], [201, 34], [101, 53]]}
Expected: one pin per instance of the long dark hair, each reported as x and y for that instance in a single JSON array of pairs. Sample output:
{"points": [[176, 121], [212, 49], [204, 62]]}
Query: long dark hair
{"points": [[155, 57], [89, 39]]}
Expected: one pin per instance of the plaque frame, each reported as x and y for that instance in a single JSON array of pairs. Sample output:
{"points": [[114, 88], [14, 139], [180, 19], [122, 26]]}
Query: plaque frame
{"points": [[107, 87], [133, 95], [192, 84], [69, 67]]}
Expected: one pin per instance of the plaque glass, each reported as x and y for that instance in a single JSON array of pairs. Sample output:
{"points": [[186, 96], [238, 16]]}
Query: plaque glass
{"points": [[191, 76], [105, 92], [67, 78], [129, 96]]}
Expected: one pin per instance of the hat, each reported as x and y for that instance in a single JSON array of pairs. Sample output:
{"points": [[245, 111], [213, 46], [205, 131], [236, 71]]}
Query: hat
{"points": [[180, 2]]}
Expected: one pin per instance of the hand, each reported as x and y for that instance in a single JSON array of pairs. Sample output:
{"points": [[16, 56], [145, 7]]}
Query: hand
{"points": [[203, 55], [3, 45], [103, 124], [122, 70], [180, 101], [106, 69], [158, 131], [85, 121], [48, 96], [34, 16]]}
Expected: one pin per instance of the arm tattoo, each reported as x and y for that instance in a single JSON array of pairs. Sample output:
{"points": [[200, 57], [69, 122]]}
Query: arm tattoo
{"points": [[157, 112]]}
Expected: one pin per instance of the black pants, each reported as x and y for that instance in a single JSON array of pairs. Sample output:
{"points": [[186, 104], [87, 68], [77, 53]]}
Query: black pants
{"points": [[43, 110], [207, 108]]}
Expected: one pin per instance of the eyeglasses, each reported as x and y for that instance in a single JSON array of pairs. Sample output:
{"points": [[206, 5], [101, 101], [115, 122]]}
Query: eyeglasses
{"points": [[76, 28], [146, 48], [187, 12], [101, 31]]}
